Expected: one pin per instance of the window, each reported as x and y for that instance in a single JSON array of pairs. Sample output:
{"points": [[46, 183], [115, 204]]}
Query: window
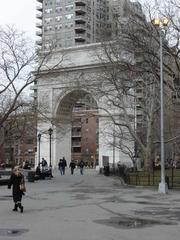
{"points": [[48, 20], [48, 2], [58, 2], [47, 28], [86, 120], [58, 9], [69, 25], [69, 7], [30, 150], [69, 16], [58, 27], [29, 141], [48, 10], [58, 18]]}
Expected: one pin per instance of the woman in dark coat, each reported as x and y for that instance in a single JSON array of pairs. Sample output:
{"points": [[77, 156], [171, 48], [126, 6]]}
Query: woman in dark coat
{"points": [[15, 180]]}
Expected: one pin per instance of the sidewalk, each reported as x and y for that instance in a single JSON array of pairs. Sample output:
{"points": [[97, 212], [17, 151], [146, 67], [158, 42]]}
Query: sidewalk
{"points": [[90, 207]]}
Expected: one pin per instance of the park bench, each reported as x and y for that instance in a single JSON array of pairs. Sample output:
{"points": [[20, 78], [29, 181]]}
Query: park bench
{"points": [[4, 176]]}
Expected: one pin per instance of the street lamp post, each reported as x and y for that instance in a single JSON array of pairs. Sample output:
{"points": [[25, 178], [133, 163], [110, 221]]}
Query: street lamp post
{"points": [[50, 131], [161, 23], [39, 140], [114, 142]]}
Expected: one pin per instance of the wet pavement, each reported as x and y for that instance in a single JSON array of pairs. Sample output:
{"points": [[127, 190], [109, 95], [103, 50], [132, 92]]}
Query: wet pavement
{"points": [[90, 207]]}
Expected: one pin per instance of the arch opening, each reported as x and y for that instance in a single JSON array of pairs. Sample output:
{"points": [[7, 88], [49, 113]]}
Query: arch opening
{"points": [[77, 127]]}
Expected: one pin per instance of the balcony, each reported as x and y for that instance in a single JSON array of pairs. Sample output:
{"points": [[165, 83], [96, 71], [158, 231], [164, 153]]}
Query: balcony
{"points": [[76, 134], [80, 19], [80, 9], [39, 42], [79, 28], [39, 16], [39, 8], [39, 33], [76, 144], [139, 112], [39, 25], [80, 37], [80, 2], [79, 43], [33, 87]]}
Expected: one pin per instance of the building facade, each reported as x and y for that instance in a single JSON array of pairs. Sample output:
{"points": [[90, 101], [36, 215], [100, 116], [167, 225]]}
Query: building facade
{"points": [[19, 140], [76, 26], [66, 23], [85, 132]]}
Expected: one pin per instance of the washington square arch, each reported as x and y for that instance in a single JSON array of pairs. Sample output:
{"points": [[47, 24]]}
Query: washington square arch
{"points": [[66, 76]]}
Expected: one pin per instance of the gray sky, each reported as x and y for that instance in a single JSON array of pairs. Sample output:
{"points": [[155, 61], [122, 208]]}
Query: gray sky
{"points": [[21, 13]]}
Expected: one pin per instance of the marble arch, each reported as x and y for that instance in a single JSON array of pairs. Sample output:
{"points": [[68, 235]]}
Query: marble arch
{"points": [[58, 90]]}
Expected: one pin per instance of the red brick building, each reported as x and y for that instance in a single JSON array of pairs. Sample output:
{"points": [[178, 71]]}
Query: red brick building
{"points": [[85, 134], [19, 143]]}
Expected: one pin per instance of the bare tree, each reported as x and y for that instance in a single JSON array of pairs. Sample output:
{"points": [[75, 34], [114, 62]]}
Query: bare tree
{"points": [[20, 67], [130, 77], [16, 61]]}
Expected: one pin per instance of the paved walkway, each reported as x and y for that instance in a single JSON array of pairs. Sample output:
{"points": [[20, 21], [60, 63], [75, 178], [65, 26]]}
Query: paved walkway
{"points": [[90, 207]]}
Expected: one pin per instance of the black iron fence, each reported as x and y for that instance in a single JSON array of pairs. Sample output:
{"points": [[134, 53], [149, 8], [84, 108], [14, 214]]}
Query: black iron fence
{"points": [[145, 178]]}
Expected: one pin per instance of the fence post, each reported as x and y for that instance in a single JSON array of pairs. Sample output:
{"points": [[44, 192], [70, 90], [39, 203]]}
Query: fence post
{"points": [[172, 177], [148, 179], [153, 176]]}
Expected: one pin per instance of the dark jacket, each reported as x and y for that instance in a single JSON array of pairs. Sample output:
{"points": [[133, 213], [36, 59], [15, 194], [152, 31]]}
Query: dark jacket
{"points": [[15, 182], [62, 163], [72, 165], [81, 164]]}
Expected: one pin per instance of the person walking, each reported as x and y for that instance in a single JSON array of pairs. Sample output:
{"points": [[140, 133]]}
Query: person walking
{"points": [[64, 165], [61, 166], [72, 165], [81, 166], [17, 182]]}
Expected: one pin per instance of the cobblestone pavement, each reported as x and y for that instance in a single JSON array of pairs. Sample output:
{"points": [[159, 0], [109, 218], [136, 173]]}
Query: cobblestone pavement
{"points": [[90, 207]]}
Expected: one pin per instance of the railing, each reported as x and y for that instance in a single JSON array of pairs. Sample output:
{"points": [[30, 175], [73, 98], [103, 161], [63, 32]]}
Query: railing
{"points": [[144, 178], [76, 134], [80, 8]]}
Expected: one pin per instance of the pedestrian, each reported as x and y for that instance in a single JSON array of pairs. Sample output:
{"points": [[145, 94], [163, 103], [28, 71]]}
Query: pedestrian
{"points": [[38, 172], [72, 165], [61, 166], [81, 166], [64, 165], [44, 165], [17, 182]]}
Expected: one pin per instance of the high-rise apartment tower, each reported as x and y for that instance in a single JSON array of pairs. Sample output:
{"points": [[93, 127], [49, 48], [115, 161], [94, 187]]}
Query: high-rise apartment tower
{"points": [[64, 23]]}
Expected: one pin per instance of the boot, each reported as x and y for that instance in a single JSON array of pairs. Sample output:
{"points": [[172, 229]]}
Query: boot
{"points": [[15, 207], [20, 207]]}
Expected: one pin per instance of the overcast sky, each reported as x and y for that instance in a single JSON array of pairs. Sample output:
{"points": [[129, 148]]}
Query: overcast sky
{"points": [[21, 13]]}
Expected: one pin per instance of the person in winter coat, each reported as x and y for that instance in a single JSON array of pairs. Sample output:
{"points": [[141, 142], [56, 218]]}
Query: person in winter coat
{"points": [[64, 165], [81, 166], [44, 165], [61, 166], [72, 165], [16, 179]]}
